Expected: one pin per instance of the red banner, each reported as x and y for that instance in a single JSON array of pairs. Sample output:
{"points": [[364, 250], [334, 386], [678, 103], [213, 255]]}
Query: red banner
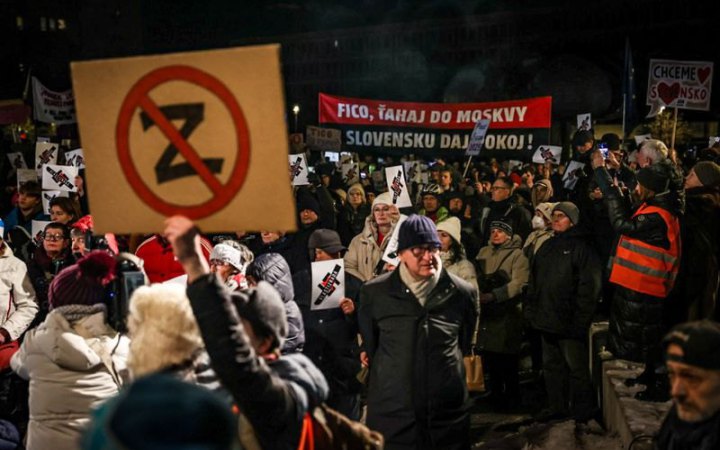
{"points": [[511, 114]]}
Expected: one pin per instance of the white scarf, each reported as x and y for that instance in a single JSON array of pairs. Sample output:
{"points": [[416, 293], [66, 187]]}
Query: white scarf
{"points": [[422, 287]]}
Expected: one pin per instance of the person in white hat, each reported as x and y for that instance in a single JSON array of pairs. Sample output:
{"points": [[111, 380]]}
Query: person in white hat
{"points": [[452, 252]]}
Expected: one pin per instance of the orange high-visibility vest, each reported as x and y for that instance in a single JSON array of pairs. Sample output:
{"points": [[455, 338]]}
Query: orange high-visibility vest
{"points": [[646, 268]]}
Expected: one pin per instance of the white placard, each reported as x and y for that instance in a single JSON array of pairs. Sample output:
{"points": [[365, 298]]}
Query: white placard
{"points": [[547, 153], [569, 177], [45, 153], [328, 284], [640, 138], [351, 173], [477, 138], [59, 178], [397, 186], [389, 256], [25, 175], [37, 227], [75, 158], [49, 195], [17, 160], [584, 121], [298, 170]]}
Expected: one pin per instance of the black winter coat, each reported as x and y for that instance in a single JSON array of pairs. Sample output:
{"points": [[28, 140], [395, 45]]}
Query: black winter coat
{"points": [[274, 395], [417, 397], [351, 222], [519, 217], [564, 286], [273, 268]]}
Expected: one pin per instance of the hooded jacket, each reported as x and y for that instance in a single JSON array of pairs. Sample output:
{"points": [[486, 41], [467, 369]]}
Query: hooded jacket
{"points": [[72, 368], [273, 268], [17, 296]]}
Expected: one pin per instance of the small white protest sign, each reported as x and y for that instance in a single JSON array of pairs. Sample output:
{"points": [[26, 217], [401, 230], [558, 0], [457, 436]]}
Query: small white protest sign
{"points": [[75, 158], [17, 160], [584, 121], [60, 178], [395, 177], [328, 284], [640, 138], [49, 195], [390, 255], [38, 227], [477, 138], [547, 153], [570, 177], [25, 175], [350, 173], [45, 153], [298, 170]]}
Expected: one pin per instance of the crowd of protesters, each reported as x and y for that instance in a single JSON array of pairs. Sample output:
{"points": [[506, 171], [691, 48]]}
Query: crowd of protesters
{"points": [[227, 322]]}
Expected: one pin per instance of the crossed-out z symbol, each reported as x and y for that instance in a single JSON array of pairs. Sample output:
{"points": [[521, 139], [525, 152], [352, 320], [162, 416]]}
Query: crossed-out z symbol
{"points": [[328, 284], [397, 186], [194, 114], [546, 154], [296, 168], [45, 156]]}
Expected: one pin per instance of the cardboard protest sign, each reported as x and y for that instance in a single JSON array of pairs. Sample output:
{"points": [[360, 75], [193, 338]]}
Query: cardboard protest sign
{"points": [[351, 173], [682, 84], [390, 254], [52, 106], [17, 160], [45, 153], [328, 284], [395, 177], [25, 175], [640, 138], [202, 134], [298, 170], [75, 158], [37, 228], [325, 139], [570, 177], [584, 121], [547, 153], [49, 195], [516, 126], [60, 178], [477, 138]]}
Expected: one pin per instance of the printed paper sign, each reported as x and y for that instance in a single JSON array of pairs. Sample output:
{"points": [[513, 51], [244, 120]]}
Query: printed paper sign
{"points": [[713, 140], [570, 177], [640, 138], [413, 170], [201, 134], [17, 160], [25, 175], [477, 138], [390, 255], [397, 186], [51, 106], [38, 227], [298, 170], [344, 158], [75, 158], [49, 195], [328, 284], [325, 139], [547, 153], [45, 153], [351, 173], [584, 121], [513, 163], [60, 178], [681, 84]]}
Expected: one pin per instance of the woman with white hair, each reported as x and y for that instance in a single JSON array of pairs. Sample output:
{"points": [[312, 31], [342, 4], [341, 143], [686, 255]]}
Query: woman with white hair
{"points": [[228, 260]]}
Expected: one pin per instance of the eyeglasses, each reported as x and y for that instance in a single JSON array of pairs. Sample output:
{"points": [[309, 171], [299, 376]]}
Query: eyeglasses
{"points": [[54, 237], [497, 188], [421, 250]]}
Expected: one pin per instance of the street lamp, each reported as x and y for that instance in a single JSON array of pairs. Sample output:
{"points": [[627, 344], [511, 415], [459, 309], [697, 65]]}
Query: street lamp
{"points": [[296, 111]]}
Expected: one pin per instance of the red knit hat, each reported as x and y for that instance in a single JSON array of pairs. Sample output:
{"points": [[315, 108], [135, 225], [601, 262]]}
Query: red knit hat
{"points": [[83, 283]]}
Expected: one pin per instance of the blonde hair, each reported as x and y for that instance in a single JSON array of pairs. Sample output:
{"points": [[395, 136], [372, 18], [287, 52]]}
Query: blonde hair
{"points": [[358, 187], [162, 328]]}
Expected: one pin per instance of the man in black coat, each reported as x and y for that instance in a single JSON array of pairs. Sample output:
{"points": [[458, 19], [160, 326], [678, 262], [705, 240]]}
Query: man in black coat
{"points": [[417, 323], [503, 208], [563, 292]]}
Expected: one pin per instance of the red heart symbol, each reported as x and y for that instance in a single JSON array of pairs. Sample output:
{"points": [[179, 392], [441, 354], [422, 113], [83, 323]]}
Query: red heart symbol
{"points": [[668, 93], [702, 74]]}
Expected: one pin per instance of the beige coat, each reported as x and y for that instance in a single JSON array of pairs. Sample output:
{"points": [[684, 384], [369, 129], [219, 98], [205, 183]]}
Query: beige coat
{"points": [[462, 268], [364, 253], [68, 371], [17, 296]]}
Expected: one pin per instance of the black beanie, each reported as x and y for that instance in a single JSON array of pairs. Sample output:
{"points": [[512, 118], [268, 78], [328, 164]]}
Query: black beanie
{"points": [[502, 225], [307, 201], [612, 140], [653, 178], [417, 230], [700, 342]]}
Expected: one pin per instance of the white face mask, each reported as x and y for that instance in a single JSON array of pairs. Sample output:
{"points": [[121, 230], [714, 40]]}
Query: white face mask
{"points": [[538, 223]]}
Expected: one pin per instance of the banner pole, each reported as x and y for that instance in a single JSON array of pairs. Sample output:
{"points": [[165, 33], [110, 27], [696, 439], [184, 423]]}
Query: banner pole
{"points": [[672, 141], [467, 166]]}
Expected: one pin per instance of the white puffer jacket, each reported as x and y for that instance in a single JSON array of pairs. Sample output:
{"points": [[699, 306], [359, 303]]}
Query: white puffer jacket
{"points": [[17, 296], [72, 368]]}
